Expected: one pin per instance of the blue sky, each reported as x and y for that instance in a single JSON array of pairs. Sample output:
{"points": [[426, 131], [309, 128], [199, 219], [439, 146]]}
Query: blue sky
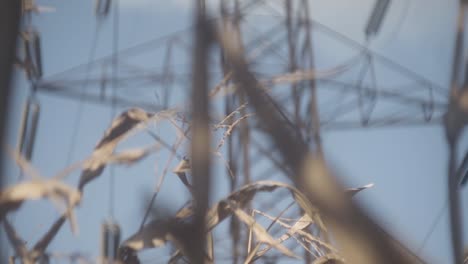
{"points": [[406, 164]]}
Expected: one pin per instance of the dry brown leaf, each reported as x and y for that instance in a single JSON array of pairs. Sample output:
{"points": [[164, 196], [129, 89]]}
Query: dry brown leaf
{"points": [[157, 233], [298, 228], [245, 194], [154, 234], [12, 197], [52, 189], [37, 189], [24, 164], [181, 171], [183, 166], [260, 232], [329, 259], [302, 223], [119, 130], [358, 235], [131, 156], [305, 220]]}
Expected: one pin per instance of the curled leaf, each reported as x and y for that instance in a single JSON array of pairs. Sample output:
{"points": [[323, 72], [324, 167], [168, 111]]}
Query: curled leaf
{"points": [[12, 197], [157, 233], [304, 222], [119, 130]]}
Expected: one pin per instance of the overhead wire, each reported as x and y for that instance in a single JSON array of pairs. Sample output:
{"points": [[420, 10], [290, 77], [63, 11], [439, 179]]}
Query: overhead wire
{"points": [[115, 69], [345, 39], [366, 49], [438, 217], [432, 227], [84, 86], [141, 47], [404, 13]]}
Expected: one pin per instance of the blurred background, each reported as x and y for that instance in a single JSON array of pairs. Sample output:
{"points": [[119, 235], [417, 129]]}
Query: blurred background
{"points": [[380, 117]]}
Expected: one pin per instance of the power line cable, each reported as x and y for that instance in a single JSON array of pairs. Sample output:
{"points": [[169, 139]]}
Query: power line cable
{"points": [[79, 113], [115, 51], [433, 226]]}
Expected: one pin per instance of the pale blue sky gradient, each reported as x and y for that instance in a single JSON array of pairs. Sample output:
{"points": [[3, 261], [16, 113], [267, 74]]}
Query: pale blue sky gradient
{"points": [[407, 165]]}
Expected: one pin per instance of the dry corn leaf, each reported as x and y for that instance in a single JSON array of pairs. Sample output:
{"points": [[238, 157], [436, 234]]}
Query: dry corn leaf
{"points": [[181, 171], [244, 195], [119, 130], [58, 192], [260, 232], [130, 156], [12, 197], [329, 259], [359, 236], [157, 232], [304, 221], [154, 234]]}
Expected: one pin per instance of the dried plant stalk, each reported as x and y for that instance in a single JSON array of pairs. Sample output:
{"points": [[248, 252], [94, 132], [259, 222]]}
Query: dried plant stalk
{"points": [[357, 234]]}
